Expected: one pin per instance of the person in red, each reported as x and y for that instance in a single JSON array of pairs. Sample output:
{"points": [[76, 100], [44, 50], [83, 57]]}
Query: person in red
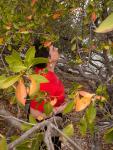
{"points": [[54, 87]]}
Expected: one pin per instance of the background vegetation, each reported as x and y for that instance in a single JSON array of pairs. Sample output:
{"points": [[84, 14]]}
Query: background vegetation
{"points": [[86, 62]]}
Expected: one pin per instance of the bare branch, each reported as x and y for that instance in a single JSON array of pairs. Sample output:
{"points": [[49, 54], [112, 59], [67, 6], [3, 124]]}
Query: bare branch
{"points": [[16, 119], [47, 138], [31, 131], [27, 134]]}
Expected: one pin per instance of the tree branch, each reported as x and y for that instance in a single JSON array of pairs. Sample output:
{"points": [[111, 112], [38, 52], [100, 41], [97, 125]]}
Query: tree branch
{"points": [[47, 138], [31, 131], [10, 119]]}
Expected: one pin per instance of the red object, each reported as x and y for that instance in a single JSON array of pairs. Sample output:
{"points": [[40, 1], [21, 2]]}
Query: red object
{"points": [[54, 88], [93, 16]]}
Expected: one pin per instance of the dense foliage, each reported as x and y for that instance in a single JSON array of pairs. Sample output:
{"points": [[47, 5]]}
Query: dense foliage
{"points": [[71, 25]]}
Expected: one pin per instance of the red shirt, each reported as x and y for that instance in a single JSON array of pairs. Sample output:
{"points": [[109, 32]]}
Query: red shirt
{"points": [[54, 88]]}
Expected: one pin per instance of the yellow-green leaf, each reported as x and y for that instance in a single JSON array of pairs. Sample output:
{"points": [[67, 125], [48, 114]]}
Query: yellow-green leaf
{"points": [[69, 107], [106, 25], [91, 127], [9, 81], [39, 78], [91, 114], [29, 56], [14, 58], [83, 126], [73, 48], [68, 130], [17, 68], [48, 108]]}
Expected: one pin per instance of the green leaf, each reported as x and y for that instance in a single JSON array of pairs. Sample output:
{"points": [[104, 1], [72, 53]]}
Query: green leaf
{"points": [[83, 126], [16, 55], [108, 136], [69, 107], [9, 59], [15, 62], [14, 58], [91, 114], [39, 78], [3, 144], [69, 130], [9, 81], [91, 127], [29, 56], [106, 25], [32, 119], [17, 68], [48, 108], [39, 60]]}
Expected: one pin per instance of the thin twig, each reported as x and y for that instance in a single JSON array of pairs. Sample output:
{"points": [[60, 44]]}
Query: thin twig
{"points": [[19, 120]]}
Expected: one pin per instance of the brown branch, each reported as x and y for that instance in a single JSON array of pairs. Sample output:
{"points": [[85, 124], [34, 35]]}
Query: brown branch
{"points": [[42, 125], [16, 123], [27, 134], [31, 131]]}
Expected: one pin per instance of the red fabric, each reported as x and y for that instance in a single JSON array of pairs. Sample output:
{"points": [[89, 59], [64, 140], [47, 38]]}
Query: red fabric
{"points": [[54, 88]]}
